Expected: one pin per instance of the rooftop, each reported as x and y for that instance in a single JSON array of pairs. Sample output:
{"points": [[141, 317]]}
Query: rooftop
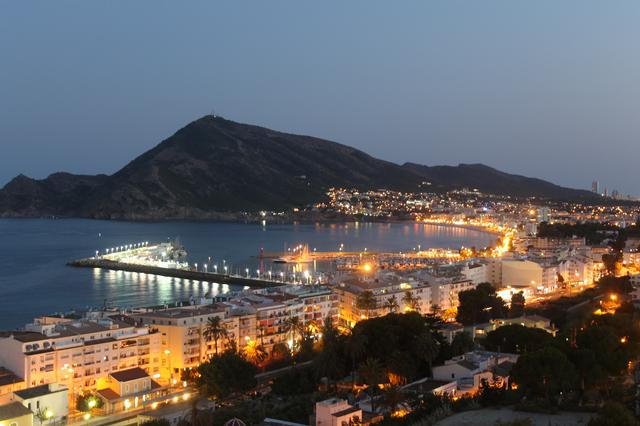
{"points": [[8, 377], [37, 391], [128, 375], [13, 410], [183, 312]]}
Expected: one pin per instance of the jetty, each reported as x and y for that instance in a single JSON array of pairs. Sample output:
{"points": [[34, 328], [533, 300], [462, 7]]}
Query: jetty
{"points": [[188, 274]]}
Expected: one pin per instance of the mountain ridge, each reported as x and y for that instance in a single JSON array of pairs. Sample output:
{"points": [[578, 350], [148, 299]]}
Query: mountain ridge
{"points": [[212, 168]]}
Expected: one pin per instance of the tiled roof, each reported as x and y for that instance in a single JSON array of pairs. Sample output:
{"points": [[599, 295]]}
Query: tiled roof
{"points": [[13, 410], [128, 375]]}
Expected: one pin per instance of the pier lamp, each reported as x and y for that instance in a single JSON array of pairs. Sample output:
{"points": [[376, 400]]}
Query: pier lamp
{"points": [[196, 265], [247, 271], [215, 267], [258, 273], [205, 267], [225, 269]]}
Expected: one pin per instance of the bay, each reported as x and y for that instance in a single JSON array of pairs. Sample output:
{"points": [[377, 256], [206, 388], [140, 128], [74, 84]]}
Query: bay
{"points": [[34, 279]]}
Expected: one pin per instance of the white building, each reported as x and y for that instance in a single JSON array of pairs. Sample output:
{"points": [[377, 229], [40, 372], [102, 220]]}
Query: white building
{"points": [[336, 412], [519, 273], [52, 400]]}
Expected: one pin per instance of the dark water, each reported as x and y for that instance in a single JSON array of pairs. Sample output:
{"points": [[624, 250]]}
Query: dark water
{"points": [[34, 279]]}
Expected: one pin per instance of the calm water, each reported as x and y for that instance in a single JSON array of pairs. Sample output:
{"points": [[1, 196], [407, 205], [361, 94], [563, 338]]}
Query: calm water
{"points": [[34, 279]]}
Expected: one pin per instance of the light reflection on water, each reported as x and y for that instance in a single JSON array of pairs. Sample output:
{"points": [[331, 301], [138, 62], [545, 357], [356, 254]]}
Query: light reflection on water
{"points": [[34, 279]]}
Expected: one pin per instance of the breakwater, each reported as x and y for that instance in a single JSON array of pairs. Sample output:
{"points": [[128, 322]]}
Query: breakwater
{"points": [[174, 273]]}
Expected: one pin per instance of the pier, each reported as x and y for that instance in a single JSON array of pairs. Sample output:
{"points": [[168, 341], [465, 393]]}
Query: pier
{"points": [[188, 274]]}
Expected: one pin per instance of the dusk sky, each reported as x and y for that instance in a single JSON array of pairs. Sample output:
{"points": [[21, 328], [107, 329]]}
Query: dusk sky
{"points": [[542, 88]]}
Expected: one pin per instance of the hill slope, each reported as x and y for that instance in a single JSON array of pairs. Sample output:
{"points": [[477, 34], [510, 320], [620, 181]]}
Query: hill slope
{"points": [[214, 166]]}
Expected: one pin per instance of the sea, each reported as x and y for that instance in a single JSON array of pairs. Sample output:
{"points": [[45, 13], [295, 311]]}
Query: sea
{"points": [[34, 278]]}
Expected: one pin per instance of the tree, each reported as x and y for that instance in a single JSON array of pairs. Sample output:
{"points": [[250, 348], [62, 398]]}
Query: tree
{"points": [[87, 402], [366, 301], [226, 374], [356, 347], [392, 397], [391, 304], [255, 352], [479, 305], [614, 414], [517, 305], [215, 330], [461, 344], [410, 301], [373, 374], [294, 327], [516, 338], [396, 340], [544, 373], [427, 347], [43, 414], [329, 362]]}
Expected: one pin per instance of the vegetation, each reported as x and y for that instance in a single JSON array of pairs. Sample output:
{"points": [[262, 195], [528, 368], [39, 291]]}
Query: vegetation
{"points": [[517, 339], [226, 374], [480, 305], [614, 414], [87, 402], [215, 331]]}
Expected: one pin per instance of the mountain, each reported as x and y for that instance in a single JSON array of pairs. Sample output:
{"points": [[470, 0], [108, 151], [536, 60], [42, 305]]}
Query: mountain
{"points": [[213, 168]]}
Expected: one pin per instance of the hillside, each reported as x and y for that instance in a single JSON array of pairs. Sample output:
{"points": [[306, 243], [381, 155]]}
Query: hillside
{"points": [[215, 167]]}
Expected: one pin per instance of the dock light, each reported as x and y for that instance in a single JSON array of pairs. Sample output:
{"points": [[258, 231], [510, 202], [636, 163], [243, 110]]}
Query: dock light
{"points": [[154, 405], [258, 272], [366, 267], [185, 396], [247, 271]]}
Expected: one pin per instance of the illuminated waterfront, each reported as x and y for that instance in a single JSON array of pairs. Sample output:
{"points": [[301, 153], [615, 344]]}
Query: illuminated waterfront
{"points": [[34, 279]]}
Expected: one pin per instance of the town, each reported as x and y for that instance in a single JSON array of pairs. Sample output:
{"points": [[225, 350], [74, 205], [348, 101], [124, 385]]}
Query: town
{"points": [[387, 338]]}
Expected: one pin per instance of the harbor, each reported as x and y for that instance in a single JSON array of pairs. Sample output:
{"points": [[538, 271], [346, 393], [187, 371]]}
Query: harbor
{"points": [[166, 259]]}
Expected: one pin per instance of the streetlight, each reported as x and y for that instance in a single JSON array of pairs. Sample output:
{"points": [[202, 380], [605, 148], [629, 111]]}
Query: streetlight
{"points": [[247, 271]]}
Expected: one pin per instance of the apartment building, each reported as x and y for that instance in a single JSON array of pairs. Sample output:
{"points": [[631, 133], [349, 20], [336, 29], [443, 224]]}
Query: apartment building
{"points": [[384, 287], [78, 353]]}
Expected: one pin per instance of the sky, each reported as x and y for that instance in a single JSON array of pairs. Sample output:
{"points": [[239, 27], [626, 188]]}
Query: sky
{"points": [[541, 88]]}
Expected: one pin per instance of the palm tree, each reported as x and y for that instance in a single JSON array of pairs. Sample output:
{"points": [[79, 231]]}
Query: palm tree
{"points": [[214, 330], [294, 326], [410, 301], [255, 352], [428, 347], [393, 396], [391, 304], [261, 332], [366, 301], [356, 346], [373, 374]]}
